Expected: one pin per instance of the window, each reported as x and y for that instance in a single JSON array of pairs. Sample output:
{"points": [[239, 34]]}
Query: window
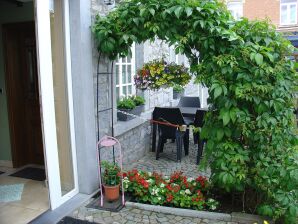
{"points": [[236, 9], [288, 12], [125, 72]]}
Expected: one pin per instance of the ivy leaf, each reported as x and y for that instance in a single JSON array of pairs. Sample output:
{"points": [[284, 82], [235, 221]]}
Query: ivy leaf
{"points": [[259, 58], [219, 134], [136, 21], [178, 11], [188, 11], [152, 11], [225, 116], [217, 92], [142, 12]]}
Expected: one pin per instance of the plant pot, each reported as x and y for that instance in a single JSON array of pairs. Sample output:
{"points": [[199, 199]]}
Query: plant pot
{"points": [[177, 95], [125, 117], [111, 192]]}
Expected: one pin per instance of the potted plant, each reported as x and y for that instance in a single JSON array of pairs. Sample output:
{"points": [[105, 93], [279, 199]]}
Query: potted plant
{"points": [[140, 104], [111, 180], [159, 74], [130, 105], [178, 91]]}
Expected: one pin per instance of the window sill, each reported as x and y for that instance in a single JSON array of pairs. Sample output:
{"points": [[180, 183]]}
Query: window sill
{"points": [[122, 127]]}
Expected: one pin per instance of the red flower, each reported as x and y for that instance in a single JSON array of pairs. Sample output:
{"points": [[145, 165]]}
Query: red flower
{"points": [[169, 197]]}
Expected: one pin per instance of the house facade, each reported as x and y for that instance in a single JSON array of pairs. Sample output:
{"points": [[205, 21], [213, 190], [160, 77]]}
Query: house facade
{"points": [[282, 13], [56, 94]]}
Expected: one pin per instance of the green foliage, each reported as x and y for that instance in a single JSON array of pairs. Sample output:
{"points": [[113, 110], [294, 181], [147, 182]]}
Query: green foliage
{"points": [[138, 100], [178, 88], [112, 173], [126, 103], [249, 127]]}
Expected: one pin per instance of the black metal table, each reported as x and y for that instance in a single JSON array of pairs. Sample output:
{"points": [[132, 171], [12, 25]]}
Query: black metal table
{"points": [[189, 112]]}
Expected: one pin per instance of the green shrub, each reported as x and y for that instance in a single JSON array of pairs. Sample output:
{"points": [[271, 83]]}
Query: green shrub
{"points": [[138, 100], [126, 103]]}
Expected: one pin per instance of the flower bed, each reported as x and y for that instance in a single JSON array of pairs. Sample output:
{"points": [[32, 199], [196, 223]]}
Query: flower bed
{"points": [[176, 190]]}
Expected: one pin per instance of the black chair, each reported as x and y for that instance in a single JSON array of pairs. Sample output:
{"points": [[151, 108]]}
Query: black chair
{"points": [[198, 123], [165, 132], [189, 101]]}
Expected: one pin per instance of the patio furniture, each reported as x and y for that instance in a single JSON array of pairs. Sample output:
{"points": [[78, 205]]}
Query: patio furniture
{"points": [[188, 114], [166, 117], [198, 123], [189, 101]]}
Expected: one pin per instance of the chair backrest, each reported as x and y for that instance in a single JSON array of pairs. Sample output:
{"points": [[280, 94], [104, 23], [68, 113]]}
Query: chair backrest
{"points": [[171, 115], [199, 118], [189, 101]]}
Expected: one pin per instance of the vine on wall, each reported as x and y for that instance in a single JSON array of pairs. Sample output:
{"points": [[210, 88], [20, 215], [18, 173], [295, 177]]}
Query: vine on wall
{"points": [[249, 129]]}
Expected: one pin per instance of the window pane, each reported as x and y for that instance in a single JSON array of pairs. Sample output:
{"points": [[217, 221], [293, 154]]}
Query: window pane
{"points": [[61, 99], [117, 93], [117, 73], [288, 1], [128, 59], [124, 90], [293, 13], [124, 74], [129, 90], [284, 14], [129, 74]]}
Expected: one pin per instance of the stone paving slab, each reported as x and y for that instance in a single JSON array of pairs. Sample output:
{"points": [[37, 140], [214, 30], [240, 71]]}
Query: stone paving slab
{"points": [[166, 166]]}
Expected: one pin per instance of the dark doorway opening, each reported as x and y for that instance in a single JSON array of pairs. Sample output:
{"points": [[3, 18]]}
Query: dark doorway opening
{"points": [[21, 77]]}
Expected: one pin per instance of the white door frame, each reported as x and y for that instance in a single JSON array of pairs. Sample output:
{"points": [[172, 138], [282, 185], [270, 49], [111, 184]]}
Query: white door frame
{"points": [[44, 52]]}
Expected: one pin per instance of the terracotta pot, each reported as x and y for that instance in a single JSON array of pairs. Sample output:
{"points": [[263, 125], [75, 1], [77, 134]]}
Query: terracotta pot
{"points": [[111, 192]]}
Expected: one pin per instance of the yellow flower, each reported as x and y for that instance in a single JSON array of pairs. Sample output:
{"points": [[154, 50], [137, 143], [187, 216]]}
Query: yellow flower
{"points": [[265, 222]]}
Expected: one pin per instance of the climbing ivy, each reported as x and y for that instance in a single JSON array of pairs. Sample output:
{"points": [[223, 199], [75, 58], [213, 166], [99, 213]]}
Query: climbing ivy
{"points": [[249, 128]]}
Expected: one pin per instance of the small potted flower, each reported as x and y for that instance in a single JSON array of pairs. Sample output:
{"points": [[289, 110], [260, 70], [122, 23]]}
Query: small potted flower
{"points": [[130, 105], [140, 104], [127, 105], [111, 180], [178, 91]]}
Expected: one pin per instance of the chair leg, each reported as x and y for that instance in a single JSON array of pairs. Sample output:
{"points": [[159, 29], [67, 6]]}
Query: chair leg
{"points": [[160, 145], [200, 150], [179, 146], [186, 142]]}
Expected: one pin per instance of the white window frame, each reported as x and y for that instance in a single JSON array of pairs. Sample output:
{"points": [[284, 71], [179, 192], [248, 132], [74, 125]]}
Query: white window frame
{"points": [[120, 85], [288, 5], [235, 7]]}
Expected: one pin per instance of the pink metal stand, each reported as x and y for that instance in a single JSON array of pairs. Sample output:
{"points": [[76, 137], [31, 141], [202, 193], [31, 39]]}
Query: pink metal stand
{"points": [[107, 142]]}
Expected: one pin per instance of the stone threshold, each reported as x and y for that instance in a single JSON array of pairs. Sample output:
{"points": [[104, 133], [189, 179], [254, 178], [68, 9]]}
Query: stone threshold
{"points": [[233, 217]]}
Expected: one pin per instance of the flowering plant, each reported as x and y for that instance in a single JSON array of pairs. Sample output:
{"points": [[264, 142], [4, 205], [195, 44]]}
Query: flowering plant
{"points": [[112, 173], [176, 190], [158, 73]]}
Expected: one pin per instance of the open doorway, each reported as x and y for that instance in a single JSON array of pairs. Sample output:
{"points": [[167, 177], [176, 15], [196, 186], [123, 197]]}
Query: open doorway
{"points": [[24, 179]]}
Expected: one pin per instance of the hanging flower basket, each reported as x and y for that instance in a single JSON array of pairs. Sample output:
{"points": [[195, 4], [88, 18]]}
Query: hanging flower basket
{"points": [[159, 74]]}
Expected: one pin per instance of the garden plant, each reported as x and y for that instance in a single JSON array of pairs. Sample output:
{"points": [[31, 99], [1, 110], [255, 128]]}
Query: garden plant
{"points": [[176, 190], [251, 142], [158, 74]]}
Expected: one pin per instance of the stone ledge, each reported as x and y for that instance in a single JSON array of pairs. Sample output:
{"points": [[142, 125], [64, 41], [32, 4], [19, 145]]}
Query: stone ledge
{"points": [[233, 217], [181, 211], [122, 127]]}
